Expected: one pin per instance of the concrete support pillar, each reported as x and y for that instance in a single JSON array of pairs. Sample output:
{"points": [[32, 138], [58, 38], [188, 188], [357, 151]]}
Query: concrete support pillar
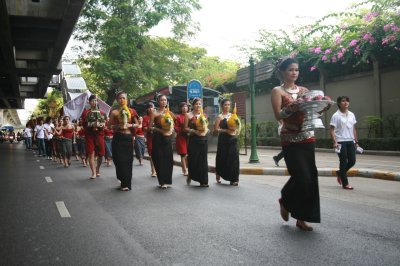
{"points": [[377, 90], [322, 85]]}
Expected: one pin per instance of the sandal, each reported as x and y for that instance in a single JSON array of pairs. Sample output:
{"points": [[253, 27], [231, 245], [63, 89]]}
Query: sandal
{"points": [[218, 179], [234, 183], [125, 189]]}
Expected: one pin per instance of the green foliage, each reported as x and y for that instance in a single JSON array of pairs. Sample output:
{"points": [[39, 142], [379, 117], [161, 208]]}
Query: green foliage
{"points": [[373, 123], [392, 124], [116, 33], [43, 107]]}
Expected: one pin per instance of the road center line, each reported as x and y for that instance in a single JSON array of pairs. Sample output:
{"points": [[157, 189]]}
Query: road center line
{"points": [[62, 209], [48, 179], [41, 167]]}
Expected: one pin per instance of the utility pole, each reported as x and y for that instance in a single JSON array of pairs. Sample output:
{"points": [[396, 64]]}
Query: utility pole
{"points": [[253, 155]]}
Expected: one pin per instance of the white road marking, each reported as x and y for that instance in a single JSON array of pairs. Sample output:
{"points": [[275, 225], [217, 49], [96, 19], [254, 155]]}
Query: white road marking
{"points": [[41, 167], [37, 160], [48, 179], [62, 209]]}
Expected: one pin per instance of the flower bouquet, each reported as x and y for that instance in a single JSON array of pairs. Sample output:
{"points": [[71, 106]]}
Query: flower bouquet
{"points": [[233, 121], [124, 116], [201, 122], [167, 122]]}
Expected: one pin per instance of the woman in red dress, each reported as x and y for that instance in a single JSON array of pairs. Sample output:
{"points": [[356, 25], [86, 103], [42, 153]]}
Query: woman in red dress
{"points": [[149, 135], [67, 136], [181, 136]]}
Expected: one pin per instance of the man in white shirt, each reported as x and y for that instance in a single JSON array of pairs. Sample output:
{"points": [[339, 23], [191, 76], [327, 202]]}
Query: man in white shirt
{"points": [[28, 137], [48, 137], [344, 136], [38, 136]]}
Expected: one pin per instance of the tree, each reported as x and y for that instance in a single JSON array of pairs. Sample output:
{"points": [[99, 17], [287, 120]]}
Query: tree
{"points": [[49, 106], [116, 33]]}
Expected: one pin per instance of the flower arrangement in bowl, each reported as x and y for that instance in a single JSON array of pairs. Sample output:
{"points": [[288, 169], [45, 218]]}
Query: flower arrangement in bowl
{"points": [[95, 119]]}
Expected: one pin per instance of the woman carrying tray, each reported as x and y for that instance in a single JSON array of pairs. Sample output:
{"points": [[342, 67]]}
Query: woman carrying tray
{"points": [[300, 195]]}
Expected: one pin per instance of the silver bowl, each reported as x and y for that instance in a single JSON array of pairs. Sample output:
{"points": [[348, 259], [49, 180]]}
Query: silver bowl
{"points": [[311, 116]]}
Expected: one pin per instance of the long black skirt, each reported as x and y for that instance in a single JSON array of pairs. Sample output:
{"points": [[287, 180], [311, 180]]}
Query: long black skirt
{"points": [[122, 147], [300, 195], [227, 159], [163, 158], [197, 159]]}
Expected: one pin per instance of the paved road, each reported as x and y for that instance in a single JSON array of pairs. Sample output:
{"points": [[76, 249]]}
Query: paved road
{"points": [[220, 225]]}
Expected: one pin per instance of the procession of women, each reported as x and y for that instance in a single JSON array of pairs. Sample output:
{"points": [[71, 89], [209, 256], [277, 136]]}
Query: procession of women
{"points": [[122, 134]]}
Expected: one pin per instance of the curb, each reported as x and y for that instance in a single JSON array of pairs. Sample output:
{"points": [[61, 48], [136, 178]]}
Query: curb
{"points": [[392, 176], [366, 152], [367, 173]]}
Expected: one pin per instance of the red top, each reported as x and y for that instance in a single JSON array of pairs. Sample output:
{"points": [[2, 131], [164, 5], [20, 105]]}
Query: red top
{"points": [[181, 136], [68, 133], [108, 132], [139, 131], [81, 132]]}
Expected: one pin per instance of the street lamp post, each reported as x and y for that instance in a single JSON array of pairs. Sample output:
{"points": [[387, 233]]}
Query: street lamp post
{"points": [[253, 155]]}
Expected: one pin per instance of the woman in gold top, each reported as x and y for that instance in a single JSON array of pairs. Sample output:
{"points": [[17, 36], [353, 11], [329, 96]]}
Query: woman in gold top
{"points": [[196, 124], [227, 159], [162, 155]]}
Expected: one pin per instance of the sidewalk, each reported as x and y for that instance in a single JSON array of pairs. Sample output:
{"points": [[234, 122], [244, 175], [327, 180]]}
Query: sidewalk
{"points": [[386, 167]]}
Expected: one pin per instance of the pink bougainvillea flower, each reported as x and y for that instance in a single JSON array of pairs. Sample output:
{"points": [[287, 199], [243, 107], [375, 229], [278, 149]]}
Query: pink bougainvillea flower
{"points": [[357, 50], [387, 27], [344, 50], [353, 43], [338, 39], [313, 68], [317, 50], [367, 36], [334, 59], [368, 17], [328, 51], [388, 39], [324, 58], [339, 55]]}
